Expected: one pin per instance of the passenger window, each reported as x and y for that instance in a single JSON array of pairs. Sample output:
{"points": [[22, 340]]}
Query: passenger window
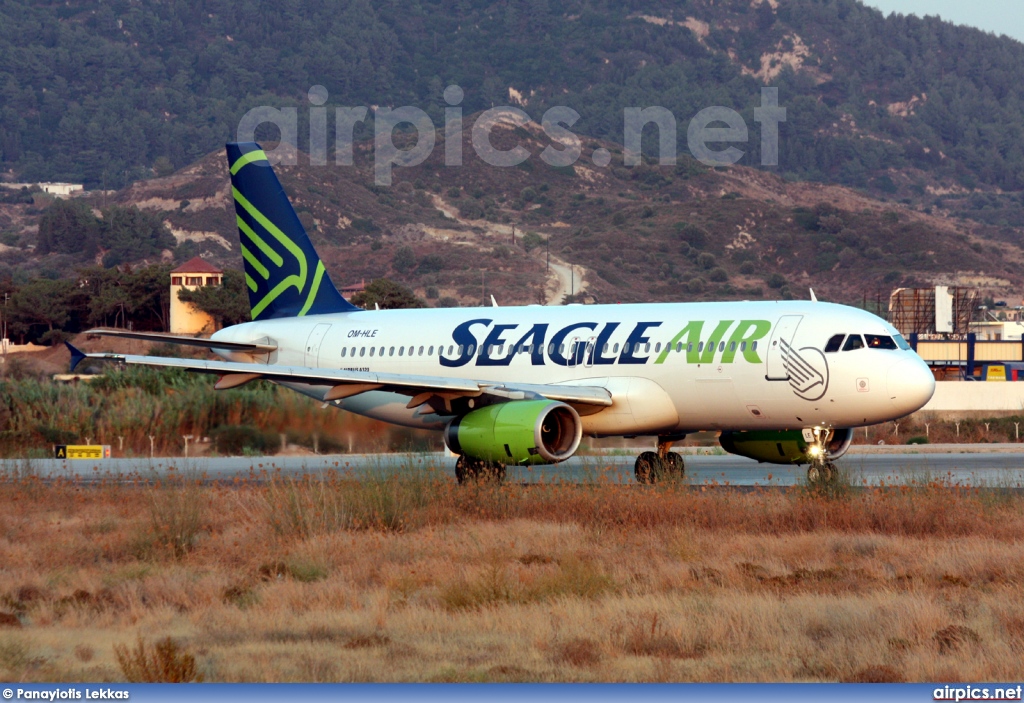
{"points": [[732, 346], [835, 343], [362, 351], [343, 350], [679, 347], [616, 349], [391, 351], [421, 351], [430, 352], [700, 347], [901, 342], [625, 348], [689, 347], [450, 348], [472, 349], [657, 347], [372, 349], [743, 346], [753, 346], [853, 342], [879, 341], [721, 347], [647, 348]]}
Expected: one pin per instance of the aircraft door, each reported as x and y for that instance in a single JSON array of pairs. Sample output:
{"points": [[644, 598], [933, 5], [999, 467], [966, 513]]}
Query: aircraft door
{"points": [[572, 352], [590, 352], [785, 330], [316, 338]]}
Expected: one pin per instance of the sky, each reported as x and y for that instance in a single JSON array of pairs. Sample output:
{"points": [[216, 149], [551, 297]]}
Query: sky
{"points": [[999, 16]]}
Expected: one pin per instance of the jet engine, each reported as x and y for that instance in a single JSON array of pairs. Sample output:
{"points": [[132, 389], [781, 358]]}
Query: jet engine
{"points": [[517, 432], [785, 446]]}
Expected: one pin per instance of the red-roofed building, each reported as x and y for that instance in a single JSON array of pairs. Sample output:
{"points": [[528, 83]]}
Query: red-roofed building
{"points": [[185, 317]]}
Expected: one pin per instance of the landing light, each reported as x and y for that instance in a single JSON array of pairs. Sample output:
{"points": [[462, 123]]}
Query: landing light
{"points": [[814, 450]]}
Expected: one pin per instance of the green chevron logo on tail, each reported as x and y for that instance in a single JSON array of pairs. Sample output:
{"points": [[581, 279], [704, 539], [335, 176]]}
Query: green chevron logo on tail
{"points": [[283, 272]]}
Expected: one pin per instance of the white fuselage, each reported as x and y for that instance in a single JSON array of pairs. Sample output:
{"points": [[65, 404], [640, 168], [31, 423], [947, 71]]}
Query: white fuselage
{"points": [[767, 368]]}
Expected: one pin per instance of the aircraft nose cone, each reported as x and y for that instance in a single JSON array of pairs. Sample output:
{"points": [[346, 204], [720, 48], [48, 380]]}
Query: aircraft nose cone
{"points": [[911, 385]]}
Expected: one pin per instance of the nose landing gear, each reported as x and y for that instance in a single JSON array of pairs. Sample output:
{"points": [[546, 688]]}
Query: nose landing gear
{"points": [[651, 467], [822, 470]]}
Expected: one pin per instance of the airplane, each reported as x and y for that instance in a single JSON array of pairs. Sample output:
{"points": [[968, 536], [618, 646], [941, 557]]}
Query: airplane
{"points": [[783, 382]]}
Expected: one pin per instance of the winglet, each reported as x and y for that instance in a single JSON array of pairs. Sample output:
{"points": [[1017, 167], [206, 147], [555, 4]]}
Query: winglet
{"points": [[814, 298], [77, 356], [494, 303]]}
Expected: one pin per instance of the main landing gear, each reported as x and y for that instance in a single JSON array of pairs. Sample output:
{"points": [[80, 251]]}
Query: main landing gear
{"points": [[652, 467], [469, 469]]}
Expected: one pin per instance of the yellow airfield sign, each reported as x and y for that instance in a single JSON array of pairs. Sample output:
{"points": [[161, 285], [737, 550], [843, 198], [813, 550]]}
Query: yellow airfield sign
{"points": [[81, 451]]}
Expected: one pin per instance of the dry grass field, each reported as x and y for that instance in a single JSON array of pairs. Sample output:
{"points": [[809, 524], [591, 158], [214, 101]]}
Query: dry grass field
{"points": [[407, 577]]}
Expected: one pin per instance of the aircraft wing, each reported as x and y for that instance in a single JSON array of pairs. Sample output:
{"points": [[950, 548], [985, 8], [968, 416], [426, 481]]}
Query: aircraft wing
{"points": [[349, 383], [189, 341]]}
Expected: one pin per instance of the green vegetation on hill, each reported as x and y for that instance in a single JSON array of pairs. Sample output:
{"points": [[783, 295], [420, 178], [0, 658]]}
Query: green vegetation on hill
{"points": [[124, 233], [105, 93]]}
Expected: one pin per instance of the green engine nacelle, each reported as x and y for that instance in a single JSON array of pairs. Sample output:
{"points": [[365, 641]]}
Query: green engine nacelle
{"points": [[517, 432], [783, 446]]}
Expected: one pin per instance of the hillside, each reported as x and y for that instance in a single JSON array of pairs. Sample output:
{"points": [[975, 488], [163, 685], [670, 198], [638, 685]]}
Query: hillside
{"points": [[900, 160], [104, 93], [634, 234]]}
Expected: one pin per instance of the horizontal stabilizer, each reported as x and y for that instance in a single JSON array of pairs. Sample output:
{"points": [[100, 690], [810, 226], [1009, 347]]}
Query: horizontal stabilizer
{"points": [[162, 338], [77, 356]]}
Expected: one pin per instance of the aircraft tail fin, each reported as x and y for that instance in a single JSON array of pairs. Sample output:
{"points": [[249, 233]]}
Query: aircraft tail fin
{"points": [[283, 272]]}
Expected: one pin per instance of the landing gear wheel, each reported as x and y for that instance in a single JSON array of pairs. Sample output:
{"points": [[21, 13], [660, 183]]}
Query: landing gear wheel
{"points": [[648, 467], [814, 474], [470, 469], [674, 465], [822, 473], [462, 470], [491, 472]]}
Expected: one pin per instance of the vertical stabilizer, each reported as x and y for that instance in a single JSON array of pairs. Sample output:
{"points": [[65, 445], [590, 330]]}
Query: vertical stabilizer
{"points": [[283, 272]]}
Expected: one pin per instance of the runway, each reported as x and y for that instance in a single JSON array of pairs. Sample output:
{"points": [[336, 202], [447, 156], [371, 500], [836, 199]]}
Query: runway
{"points": [[969, 465]]}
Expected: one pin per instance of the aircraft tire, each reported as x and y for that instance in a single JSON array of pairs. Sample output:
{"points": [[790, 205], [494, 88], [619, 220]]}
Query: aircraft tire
{"points": [[470, 469], [675, 467], [461, 471], [648, 468]]}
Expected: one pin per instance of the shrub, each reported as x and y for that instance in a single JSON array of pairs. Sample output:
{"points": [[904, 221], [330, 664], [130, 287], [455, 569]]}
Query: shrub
{"points": [[920, 439], [234, 440], [747, 268], [696, 237], [718, 275], [163, 662], [177, 514], [706, 261], [776, 280], [532, 240], [432, 263], [404, 259]]}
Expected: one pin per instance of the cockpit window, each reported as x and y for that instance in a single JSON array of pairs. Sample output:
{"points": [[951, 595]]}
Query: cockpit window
{"points": [[901, 343], [834, 343], [879, 341], [853, 342]]}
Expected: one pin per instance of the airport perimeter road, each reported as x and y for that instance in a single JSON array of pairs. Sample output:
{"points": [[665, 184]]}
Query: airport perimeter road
{"points": [[975, 468]]}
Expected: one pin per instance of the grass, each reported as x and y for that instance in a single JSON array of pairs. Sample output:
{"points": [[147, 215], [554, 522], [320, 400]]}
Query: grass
{"points": [[407, 577]]}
